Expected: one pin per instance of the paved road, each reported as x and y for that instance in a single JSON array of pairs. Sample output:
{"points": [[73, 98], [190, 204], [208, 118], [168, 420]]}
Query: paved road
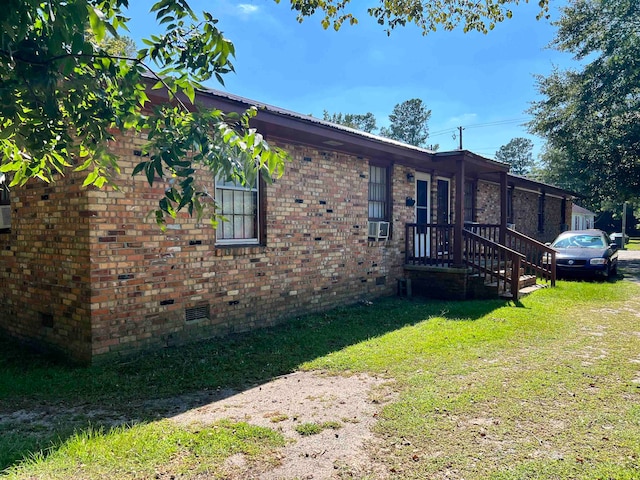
{"points": [[629, 265]]}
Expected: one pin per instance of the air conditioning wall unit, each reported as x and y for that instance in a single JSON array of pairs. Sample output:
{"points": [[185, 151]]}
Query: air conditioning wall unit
{"points": [[378, 230], [5, 216], [511, 226]]}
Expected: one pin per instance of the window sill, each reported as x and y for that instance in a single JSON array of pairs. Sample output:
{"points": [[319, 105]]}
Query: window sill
{"points": [[238, 243], [238, 249], [382, 242]]}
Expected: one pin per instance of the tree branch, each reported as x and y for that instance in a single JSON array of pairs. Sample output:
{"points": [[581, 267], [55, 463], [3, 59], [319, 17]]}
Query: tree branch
{"points": [[94, 56]]}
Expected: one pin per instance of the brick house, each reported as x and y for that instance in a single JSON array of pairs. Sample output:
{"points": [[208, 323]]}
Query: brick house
{"points": [[89, 273]]}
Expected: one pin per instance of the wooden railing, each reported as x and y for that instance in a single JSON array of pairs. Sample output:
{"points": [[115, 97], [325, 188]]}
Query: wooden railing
{"points": [[485, 230], [540, 259], [429, 244], [481, 250], [495, 263]]}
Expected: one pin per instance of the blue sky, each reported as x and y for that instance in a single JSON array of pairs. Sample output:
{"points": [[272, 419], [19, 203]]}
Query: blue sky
{"points": [[484, 83]]}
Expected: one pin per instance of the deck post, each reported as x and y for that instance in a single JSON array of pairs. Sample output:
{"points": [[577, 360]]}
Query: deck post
{"points": [[503, 208], [459, 214], [515, 278]]}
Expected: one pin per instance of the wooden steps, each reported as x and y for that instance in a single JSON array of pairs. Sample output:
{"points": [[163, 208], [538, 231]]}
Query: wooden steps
{"points": [[526, 285]]}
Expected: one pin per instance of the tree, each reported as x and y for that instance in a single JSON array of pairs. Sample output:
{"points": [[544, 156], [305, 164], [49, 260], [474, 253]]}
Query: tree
{"points": [[426, 15], [122, 45], [409, 123], [549, 168], [63, 92], [518, 154], [366, 122], [590, 114]]}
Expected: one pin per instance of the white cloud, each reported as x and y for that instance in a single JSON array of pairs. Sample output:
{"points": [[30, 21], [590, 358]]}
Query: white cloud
{"points": [[464, 119], [248, 9]]}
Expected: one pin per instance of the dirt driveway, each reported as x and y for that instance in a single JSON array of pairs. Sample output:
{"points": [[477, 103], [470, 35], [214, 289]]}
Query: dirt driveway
{"points": [[629, 265]]}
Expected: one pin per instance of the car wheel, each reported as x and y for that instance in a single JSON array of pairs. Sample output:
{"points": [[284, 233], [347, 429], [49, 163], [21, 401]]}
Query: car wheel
{"points": [[614, 270]]}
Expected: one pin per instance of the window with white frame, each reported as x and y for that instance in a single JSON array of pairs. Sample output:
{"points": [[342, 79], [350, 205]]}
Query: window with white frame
{"points": [[239, 206], [4, 190], [5, 202], [378, 193]]}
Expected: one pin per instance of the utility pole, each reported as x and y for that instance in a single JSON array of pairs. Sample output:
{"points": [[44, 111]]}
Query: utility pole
{"points": [[624, 225], [460, 129]]}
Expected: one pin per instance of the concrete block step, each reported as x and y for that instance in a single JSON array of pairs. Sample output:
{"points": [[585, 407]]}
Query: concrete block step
{"points": [[523, 292], [526, 281], [530, 289]]}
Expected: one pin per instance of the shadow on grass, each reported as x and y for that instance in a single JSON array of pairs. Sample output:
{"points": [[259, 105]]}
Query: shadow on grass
{"points": [[629, 268], [66, 397]]}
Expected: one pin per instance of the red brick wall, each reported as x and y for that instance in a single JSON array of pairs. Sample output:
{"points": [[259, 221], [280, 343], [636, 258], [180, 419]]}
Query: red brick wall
{"points": [[525, 211], [316, 256], [488, 203], [44, 277], [89, 271]]}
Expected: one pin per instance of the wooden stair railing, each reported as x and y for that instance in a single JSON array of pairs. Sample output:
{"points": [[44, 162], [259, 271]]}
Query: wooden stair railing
{"points": [[433, 244], [540, 259], [495, 263]]}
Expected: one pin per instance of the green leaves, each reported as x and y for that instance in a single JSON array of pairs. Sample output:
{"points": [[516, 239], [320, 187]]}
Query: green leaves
{"points": [[409, 122], [66, 92], [427, 16], [97, 22], [186, 145], [589, 115], [366, 122], [519, 154]]}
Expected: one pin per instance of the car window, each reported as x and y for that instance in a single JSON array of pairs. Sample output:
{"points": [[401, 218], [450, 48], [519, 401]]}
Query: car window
{"points": [[562, 243], [580, 241], [592, 241]]}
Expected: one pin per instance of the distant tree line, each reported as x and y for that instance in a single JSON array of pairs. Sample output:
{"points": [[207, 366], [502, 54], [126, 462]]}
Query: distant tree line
{"points": [[408, 123]]}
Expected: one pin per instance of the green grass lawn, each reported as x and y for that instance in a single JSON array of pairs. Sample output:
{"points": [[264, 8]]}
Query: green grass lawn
{"points": [[486, 390], [634, 244]]}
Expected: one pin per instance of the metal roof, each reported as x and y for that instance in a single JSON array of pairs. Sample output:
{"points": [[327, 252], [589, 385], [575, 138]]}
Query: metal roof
{"points": [[577, 209], [281, 123]]}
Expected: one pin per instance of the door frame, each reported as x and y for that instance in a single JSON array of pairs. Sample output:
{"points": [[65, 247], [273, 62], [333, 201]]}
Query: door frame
{"points": [[422, 242], [423, 177], [448, 182]]}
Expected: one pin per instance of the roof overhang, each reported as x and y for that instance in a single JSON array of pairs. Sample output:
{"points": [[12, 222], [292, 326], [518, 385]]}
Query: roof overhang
{"points": [[523, 183], [280, 124], [277, 123], [475, 165]]}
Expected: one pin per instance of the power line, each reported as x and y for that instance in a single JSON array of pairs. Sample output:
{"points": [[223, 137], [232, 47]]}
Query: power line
{"points": [[442, 132], [487, 149], [501, 122], [480, 125]]}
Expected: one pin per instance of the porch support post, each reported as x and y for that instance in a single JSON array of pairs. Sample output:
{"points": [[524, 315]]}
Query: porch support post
{"points": [[503, 207], [459, 214]]}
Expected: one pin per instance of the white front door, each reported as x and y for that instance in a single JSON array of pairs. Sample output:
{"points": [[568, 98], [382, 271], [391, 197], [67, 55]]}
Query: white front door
{"points": [[422, 214]]}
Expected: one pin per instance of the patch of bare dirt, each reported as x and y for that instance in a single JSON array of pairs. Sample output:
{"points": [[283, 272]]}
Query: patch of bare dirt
{"points": [[351, 403], [347, 405]]}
